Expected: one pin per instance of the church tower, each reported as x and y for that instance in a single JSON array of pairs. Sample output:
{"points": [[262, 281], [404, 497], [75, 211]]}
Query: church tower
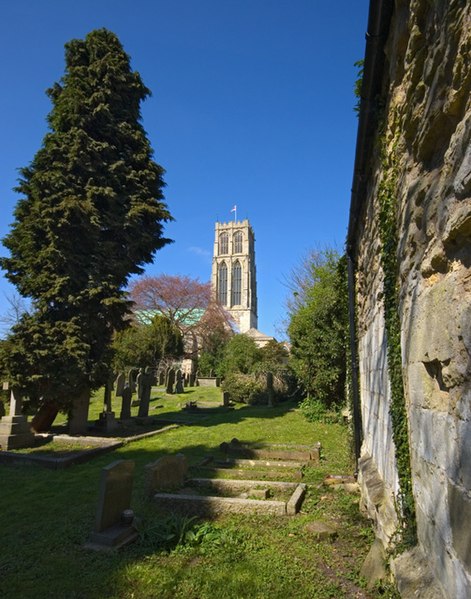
{"points": [[233, 277]]}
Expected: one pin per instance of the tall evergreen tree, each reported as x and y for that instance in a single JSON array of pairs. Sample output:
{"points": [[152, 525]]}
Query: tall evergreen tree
{"points": [[91, 215]]}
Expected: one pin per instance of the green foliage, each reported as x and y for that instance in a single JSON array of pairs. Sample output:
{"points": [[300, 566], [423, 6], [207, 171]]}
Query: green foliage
{"points": [[143, 345], [90, 215], [240, 355], [387, 193], [360, 65], [318, 330], [273, 357], [316, 411], [245, 388]]}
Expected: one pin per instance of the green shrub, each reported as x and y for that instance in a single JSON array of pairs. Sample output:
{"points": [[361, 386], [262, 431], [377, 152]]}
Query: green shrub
{"points": [[245, 388], [315, 411]]}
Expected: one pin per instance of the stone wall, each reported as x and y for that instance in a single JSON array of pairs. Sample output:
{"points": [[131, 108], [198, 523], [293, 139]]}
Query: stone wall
{"points": [[427, 124]]}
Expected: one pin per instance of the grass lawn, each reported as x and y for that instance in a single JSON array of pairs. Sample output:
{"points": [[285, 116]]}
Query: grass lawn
{"points": [[46, 516]]}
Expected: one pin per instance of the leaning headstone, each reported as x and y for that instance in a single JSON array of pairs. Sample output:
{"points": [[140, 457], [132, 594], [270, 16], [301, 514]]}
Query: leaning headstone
{"points": [[179, 384], [170, 381], [115, 524], [119, 384], [165, 474], [15, 430], [126, 396], [145, 391]]}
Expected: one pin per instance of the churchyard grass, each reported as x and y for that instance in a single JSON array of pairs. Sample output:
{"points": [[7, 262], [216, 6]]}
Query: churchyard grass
{"points": [[46, 516]]}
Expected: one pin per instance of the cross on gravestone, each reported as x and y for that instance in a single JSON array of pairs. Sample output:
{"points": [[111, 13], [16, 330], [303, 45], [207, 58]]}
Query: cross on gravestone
{"points": [[114, 525]]}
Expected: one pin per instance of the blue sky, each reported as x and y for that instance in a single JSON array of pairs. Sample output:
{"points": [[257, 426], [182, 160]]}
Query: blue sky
{"points": [[252, 105]]}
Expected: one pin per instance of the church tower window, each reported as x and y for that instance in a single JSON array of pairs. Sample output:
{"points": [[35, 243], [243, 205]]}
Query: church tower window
{"points": [[236, 284], [238, 242], [222, 284], [223, 243]]}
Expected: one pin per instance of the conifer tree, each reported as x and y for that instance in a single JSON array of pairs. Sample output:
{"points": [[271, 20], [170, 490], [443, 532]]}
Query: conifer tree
{"points": [[91, 215]]}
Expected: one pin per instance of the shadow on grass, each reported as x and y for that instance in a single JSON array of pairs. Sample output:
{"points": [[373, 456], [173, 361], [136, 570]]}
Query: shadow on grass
{"points": [[46, 516]]}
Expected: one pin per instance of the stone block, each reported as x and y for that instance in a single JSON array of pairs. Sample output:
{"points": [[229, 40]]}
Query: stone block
{"points": [[15, 433], [165, 474], [374, 566]]}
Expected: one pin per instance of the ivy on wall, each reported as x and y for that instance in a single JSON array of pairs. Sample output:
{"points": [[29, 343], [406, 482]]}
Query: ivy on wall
{"points": [[387, 197]]}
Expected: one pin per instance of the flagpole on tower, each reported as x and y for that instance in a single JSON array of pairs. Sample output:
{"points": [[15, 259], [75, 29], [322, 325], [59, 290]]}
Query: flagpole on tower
{"points": [[234, 210]]}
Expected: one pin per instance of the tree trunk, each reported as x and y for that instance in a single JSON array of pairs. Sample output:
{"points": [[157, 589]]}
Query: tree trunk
{"points": [[44, 417]]}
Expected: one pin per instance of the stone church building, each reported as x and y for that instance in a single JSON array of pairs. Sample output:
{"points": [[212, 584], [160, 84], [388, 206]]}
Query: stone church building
{"points": [[409, 252]]}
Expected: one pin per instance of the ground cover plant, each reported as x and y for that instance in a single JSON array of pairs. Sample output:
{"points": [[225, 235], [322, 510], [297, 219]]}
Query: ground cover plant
{"points": [[46, 516]]}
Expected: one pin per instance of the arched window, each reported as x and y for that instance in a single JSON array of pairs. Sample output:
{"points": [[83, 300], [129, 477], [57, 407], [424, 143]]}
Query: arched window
{"points": [[238, 242], [236, 284], [222, 284], [223, 243]]}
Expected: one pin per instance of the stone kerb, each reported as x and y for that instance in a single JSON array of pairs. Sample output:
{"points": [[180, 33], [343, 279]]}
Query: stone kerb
{"points": [[209, 505], [273, 451]]}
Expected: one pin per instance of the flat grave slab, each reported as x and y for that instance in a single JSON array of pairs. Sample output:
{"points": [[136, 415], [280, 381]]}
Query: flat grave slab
{"points": [[210, 505]]}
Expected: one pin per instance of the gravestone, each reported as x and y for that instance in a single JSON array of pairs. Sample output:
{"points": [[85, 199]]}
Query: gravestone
{"points": [[145, 387], [161, 378], [115, 524], [226, 402], [170, 381], [132, 375], [270, 390], [139, 376], [166, 376], [126, 402], [179, 385], [78, 416], [119, 384], [166, 473], [15, 430], [192, 379]]}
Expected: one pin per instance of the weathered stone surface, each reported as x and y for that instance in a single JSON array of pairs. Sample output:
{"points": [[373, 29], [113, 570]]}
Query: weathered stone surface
{"points": [[374, 566], [414, 577], [15, 431], [459, 505], [322, 531], [78, 419], [208, 505], [166, 473], [427, 125], [115, 493]]}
